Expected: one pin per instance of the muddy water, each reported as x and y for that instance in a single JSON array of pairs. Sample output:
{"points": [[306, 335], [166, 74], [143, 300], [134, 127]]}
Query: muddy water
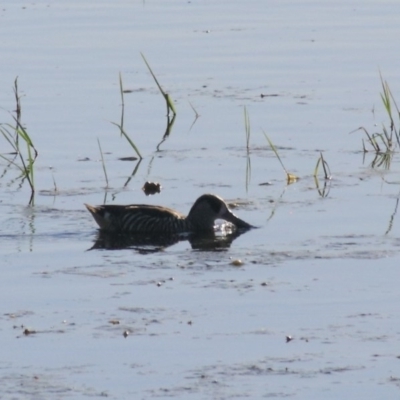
{"points": [[312, 311]]}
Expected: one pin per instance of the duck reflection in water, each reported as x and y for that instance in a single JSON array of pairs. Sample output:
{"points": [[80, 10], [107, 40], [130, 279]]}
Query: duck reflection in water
{"points": [[206, 241]]}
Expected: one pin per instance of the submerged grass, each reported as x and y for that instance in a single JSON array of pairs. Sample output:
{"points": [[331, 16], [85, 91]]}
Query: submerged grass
{"points": [[168, 100]]}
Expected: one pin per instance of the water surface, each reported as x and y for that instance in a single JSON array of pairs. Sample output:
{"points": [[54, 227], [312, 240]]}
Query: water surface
{"points": [[321, 268]]}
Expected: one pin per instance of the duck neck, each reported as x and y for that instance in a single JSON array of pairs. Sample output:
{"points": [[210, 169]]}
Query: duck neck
{"points": [[200, 222]]}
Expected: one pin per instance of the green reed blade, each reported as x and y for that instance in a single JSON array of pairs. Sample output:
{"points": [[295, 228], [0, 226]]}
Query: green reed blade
{"points": [[290, 178], [168, 99], [103, 163], [170, 104], [128, 139], [275, 151], [248, 172], [13, 134], [247, 127], [385, 96], [13, 163], [325, 167], [121, 89], [152, 73], [31, 150]]}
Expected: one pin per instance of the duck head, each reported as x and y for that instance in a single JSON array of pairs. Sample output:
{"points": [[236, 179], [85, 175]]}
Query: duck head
{"points": [[209, 208]]}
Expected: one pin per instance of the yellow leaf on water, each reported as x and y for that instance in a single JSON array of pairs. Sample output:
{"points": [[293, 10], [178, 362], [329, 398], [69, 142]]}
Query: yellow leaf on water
{"points": [[292, 178]]}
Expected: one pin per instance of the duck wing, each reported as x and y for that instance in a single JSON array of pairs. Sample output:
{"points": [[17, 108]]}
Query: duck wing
{"points": [[139, 218]]}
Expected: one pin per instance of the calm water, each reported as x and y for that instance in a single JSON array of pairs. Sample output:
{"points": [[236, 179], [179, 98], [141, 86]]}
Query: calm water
{"points": [[321, 268]]}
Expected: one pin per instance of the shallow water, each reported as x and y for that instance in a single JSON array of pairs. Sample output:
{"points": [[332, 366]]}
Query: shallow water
{"points": [[322, 265]]}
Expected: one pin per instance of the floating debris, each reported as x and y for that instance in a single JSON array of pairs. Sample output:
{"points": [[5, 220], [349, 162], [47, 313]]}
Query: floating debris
{"points": [[150, 188], [265, 184], [132, 158], [237, 263], [262, 95]]}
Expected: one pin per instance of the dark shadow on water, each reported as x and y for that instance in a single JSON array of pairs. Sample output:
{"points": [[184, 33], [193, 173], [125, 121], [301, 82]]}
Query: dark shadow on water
{"points": [[145, 244]]}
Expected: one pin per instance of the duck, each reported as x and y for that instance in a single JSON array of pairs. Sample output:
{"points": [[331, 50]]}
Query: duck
{"points": [[150, 219]]}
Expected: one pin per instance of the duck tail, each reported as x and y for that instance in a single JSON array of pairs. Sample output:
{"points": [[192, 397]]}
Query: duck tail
{"points": [[98, 215]]}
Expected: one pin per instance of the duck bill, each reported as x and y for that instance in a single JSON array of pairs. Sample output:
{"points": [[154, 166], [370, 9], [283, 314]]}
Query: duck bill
{"points": [[239, 223]]}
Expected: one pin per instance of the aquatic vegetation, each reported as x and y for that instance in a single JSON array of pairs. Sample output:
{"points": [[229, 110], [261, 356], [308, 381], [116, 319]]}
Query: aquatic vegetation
{"points": [[121, 90], [194, 110], [327, 176], [197, 115], [168, 129], [248, 160], [22, 157], [26, 158], [290, 178], [103, 163], [135, 170], [386, 140], [168, 100], [325, 167], [382, 160], [375, 140], [121, 124], [389, 102], [125, 135], [247, 127], [18, 108]]}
